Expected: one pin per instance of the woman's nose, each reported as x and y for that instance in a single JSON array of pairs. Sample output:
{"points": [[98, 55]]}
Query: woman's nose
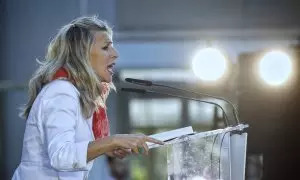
{"points": [[115, 53]]}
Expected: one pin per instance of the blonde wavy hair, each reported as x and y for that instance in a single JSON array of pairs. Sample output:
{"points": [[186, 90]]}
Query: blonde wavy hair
{"points": [[70, 49]]}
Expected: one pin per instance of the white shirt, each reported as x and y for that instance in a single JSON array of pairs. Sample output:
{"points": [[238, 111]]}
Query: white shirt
{"points": [[56, 136]]}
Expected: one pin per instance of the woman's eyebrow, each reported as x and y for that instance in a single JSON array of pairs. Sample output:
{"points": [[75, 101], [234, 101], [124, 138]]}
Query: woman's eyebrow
{"points": [[108, 42]]}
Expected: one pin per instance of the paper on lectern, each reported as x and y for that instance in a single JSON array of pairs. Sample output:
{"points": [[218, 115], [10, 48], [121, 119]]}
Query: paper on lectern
{"points": [[169, 135]]}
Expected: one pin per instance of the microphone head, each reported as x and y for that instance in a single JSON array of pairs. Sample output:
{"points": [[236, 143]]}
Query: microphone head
{"points": [[139, 81]]}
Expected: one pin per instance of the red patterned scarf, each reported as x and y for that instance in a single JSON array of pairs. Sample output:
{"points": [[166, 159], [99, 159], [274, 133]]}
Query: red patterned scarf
{"points": [[100, 120]]}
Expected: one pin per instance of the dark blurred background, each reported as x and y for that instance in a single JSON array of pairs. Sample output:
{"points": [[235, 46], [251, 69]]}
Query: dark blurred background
{"points": [[157, 40]]}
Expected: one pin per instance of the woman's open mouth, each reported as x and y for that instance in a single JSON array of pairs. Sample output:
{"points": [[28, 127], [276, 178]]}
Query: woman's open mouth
{"points": [[110, 68]]}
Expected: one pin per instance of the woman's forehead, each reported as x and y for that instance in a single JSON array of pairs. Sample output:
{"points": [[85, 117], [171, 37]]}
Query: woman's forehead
{"points": [[102, 36]]}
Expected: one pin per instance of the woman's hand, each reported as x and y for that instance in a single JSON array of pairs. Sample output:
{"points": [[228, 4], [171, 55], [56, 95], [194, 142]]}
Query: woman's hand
{"points": [[132, 142], [120, 145]]}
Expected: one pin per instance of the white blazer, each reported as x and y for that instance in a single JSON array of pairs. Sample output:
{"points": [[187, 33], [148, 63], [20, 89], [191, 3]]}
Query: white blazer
{"points": [[56, 136]]}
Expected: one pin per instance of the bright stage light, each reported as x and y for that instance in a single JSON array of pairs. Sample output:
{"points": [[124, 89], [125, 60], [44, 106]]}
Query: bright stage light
{"points": [[275, 67], [209, 64]]}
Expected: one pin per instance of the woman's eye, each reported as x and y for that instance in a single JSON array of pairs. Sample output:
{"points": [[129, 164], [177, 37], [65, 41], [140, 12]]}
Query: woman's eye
{"points": [[105, 48]]}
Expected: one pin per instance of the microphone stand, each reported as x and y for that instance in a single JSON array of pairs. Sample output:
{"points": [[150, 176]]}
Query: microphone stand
{"points": [[150, 83], [143, 91]]}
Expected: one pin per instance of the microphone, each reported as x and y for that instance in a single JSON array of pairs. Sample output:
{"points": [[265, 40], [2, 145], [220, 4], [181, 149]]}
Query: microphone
{"points": [[143, 91], [150, 83]]}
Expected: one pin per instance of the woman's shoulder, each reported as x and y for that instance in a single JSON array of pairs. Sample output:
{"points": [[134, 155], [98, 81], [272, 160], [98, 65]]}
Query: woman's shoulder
{"points": [[60, 87]]}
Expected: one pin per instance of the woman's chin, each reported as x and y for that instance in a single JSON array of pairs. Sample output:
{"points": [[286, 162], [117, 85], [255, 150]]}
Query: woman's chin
{"points": [[107, 79]]}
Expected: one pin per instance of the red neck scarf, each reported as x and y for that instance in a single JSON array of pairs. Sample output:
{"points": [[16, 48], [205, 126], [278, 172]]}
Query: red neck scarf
{"points": [[100, 120]]}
